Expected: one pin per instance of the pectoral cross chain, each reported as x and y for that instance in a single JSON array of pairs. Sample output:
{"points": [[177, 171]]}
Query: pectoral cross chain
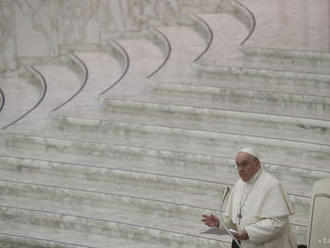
{"points": [[240, 216]]}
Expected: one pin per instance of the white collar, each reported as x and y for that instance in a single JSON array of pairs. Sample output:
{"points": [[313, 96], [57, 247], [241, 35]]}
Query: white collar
{"points": [[254, 178]]}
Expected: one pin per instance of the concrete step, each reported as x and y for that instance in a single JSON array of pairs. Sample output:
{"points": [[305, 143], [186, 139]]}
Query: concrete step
{"points": [[188, 189], [246, 76], [287, 25], [184, 139], [21, 93], [143, 134], [132, 209], [215, 119], [256, 53], [12, 239], [289, 166], [186, 44], [279, 151], [144, 55], [228, 31], [103, 71], [63, 81], [160, 187], [112, 206], [29, 222], [149, 41], [303, 61], [203, 29], [141, 159], [171, 163], [262, 101]]}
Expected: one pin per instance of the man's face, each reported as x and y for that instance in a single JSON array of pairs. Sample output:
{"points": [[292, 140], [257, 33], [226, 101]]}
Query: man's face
{"points": [[247, 166]]}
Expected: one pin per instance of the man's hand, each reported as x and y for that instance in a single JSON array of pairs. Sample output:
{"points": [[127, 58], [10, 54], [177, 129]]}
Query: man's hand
{"points": [[210, 220], [241, 235]]}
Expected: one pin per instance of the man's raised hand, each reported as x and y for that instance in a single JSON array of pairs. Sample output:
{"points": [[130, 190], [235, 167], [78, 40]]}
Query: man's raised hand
{"points": [[210, 220]]}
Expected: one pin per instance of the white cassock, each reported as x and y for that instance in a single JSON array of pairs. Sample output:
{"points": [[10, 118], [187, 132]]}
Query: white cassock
{"points": [[263, 209]]}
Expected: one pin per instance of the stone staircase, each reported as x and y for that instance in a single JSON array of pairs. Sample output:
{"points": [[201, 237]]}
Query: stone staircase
{"points": [[147, 141], [12, 90]]}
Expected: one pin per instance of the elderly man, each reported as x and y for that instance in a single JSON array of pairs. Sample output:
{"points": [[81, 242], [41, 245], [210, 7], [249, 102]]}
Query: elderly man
{"points": [[257, 207]]}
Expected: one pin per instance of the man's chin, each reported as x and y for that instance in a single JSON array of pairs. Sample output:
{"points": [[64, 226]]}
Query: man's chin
{"points": [[245, 179]]}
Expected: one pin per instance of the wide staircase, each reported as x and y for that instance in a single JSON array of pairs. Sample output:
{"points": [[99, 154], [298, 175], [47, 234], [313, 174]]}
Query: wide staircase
{"points": [[128, 145]]}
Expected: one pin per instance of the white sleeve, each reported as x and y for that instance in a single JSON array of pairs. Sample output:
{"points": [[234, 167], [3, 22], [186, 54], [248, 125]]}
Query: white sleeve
{"points": [[266, 229], [227, 215], [227, 223]]}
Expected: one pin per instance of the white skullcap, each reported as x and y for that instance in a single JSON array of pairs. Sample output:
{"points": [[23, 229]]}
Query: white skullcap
{"points": [[250, 151]]}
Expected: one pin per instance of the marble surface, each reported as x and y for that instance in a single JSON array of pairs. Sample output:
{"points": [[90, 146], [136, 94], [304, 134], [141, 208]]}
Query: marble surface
{"points": [[36, 28], [21, 94], [133, 15], [294, 24], [230, 32], [78, 21], [174, 149], [40, 28], [279, 26], [7, 35]]}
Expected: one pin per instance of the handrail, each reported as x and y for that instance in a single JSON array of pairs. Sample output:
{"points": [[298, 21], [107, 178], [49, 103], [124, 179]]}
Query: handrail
{"points": [[210, 40], [169, 52], [3, 100], [123, 50], [253, 22], [75, 57], [44, 83]]}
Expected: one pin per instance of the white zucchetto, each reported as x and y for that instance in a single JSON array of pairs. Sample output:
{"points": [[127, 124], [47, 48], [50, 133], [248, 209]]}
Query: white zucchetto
{"points": [[250, 151]]}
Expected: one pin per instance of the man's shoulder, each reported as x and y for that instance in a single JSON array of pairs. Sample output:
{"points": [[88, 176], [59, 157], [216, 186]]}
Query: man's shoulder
{"points": [[265, 176]]}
